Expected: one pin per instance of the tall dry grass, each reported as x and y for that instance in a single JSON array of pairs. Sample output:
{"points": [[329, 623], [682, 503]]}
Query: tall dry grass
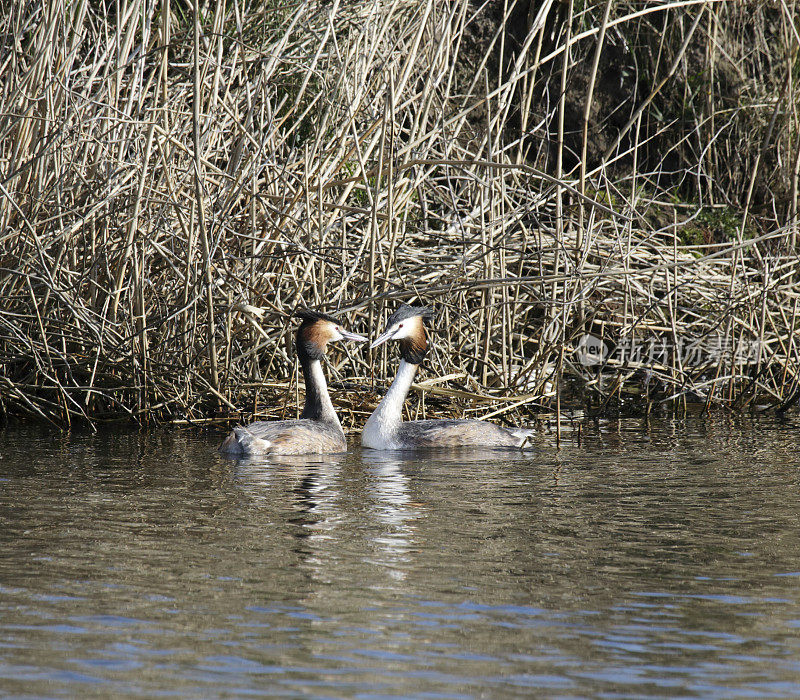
{"points": [[177, 177]]}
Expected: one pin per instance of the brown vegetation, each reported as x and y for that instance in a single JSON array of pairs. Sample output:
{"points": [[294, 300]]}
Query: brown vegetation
{"points": [[177, 179]]}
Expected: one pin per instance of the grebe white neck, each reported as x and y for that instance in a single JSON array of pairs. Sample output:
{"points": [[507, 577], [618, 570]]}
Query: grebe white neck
{"points": [[381, 428], [318, 404]]}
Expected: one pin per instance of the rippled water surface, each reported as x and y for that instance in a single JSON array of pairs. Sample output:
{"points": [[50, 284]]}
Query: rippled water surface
{"points": [[659, 560]]}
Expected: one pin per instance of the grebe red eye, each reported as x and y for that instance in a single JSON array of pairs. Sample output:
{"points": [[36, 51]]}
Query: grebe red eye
{"points": [[400, 325]]}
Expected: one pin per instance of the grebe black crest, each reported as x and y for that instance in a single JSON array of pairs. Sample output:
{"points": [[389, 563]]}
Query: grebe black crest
{"points": [[318, 430], [385, 429]]}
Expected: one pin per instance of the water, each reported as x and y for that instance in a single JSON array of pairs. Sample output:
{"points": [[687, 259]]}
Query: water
{"points": [[659, 561]]}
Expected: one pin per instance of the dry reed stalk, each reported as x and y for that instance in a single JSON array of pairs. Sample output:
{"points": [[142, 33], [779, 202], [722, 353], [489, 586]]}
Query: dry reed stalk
{"points": [[172, 186]]}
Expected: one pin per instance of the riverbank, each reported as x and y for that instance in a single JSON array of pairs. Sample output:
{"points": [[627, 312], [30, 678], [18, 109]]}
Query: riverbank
{"points": [[175, 184]]}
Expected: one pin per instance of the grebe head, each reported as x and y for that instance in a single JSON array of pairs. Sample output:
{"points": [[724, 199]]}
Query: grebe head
{"points": [[406, 325], [317, 330]]}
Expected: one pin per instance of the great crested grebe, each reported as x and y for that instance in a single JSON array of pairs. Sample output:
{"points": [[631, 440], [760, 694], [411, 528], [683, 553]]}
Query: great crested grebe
{"points": [[385, 429], [318, 430]]}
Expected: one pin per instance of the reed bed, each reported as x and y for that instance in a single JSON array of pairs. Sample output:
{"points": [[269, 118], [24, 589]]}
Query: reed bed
{"points": [[177, 177]]}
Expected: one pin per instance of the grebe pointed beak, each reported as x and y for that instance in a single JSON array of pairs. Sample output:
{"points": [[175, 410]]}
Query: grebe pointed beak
{"points": [[381, 339], [347, 335]]}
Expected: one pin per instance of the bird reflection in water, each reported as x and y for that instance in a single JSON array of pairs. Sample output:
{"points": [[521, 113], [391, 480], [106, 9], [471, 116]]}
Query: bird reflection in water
{"points": [[320, 498], [308, 482], [394, 510]]}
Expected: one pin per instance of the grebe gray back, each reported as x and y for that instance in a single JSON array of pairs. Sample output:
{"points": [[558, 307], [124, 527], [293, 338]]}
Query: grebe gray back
{"points": [[385, 429], [318, 430]]}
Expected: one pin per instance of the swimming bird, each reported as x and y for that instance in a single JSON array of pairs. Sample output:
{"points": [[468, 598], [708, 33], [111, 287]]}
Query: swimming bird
{"points": [[318, 430], [385, 429]]}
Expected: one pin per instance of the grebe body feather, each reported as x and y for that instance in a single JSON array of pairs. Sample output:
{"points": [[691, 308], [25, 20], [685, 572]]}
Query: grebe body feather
{"points": [[286, 437]]}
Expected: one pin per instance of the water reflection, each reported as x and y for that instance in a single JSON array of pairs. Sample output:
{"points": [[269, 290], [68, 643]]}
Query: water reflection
{"points": [[254, 475], [394, 513], [650, 560]]}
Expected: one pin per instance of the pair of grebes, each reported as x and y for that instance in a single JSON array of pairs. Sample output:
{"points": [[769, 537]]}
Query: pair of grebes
{"points": [[318, 430]]}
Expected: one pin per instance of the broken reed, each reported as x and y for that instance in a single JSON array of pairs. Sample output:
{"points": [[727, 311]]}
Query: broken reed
{"points": [[176, 181]]}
